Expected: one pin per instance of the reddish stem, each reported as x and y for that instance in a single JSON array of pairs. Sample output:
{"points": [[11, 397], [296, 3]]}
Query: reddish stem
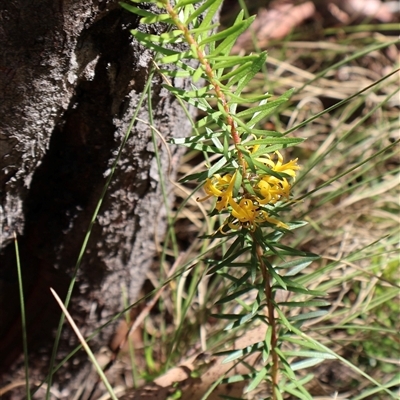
{"points": [[271, 319]]}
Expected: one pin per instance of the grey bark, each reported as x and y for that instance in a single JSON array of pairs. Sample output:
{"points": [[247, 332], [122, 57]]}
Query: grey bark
{"points": [[71, 77]]}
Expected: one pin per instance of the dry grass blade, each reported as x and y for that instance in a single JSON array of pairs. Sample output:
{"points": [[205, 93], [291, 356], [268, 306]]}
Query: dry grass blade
{"points": [[84, 345]]}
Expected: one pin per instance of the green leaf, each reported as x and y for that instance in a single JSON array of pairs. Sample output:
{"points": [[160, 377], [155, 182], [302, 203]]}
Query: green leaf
{"points": [[185, 12], [294, 252], [211, 6], [199, 177], [248, 187], [308, 316], [155, 18], [248, 159], [300, 342], [278, 393], [229, 317], [196, 31], [260, 132], [197, 93], [182, 3], [222, 62], [295, 387], [277, 278], [214, 137], [186, 141], [234, 355], [175, 73], [138, 11], [308, 354], [215, 117], [167, 37], [297, 394], [226, 261], [234, 30], [304, 262], [260, 377], [239, 242], [297, 265], [196, 146], [225, 46], [238, 183], [310, 303], [233, 99], [244, 319], [299, 224], [142, 38], [255, 68], [235, 265], [283, 319], [217, 166], [236, 74], [263, 167], [198, 74], [235, 295], [170, 36], [172, 59], [187, 95], [251, 124], [302, 290], [274, 140], [233, 379], [310, 362], [197, 142], [200, 103], [148, 16], [227, 153], [264, 110]]}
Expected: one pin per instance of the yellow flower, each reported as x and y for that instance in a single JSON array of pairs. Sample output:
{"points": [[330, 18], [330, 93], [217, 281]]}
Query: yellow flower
{"points": [[221, 187], [289, 168], [272, 189], [247, 214], [247, 209]]}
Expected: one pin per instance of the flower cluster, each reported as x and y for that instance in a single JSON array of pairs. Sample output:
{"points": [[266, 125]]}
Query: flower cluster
{"points": [[247, 209]]}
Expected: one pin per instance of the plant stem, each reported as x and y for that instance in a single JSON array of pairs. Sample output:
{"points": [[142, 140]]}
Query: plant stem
{"points": [[210, 75], [271, 318]]}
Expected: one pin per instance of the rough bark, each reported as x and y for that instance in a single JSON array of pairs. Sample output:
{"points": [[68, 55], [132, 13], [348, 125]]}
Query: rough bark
{"points": [[70, 79]]}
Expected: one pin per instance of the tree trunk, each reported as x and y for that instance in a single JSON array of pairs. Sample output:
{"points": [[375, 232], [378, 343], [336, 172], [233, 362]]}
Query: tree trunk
{"points": [[71, 76]]}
